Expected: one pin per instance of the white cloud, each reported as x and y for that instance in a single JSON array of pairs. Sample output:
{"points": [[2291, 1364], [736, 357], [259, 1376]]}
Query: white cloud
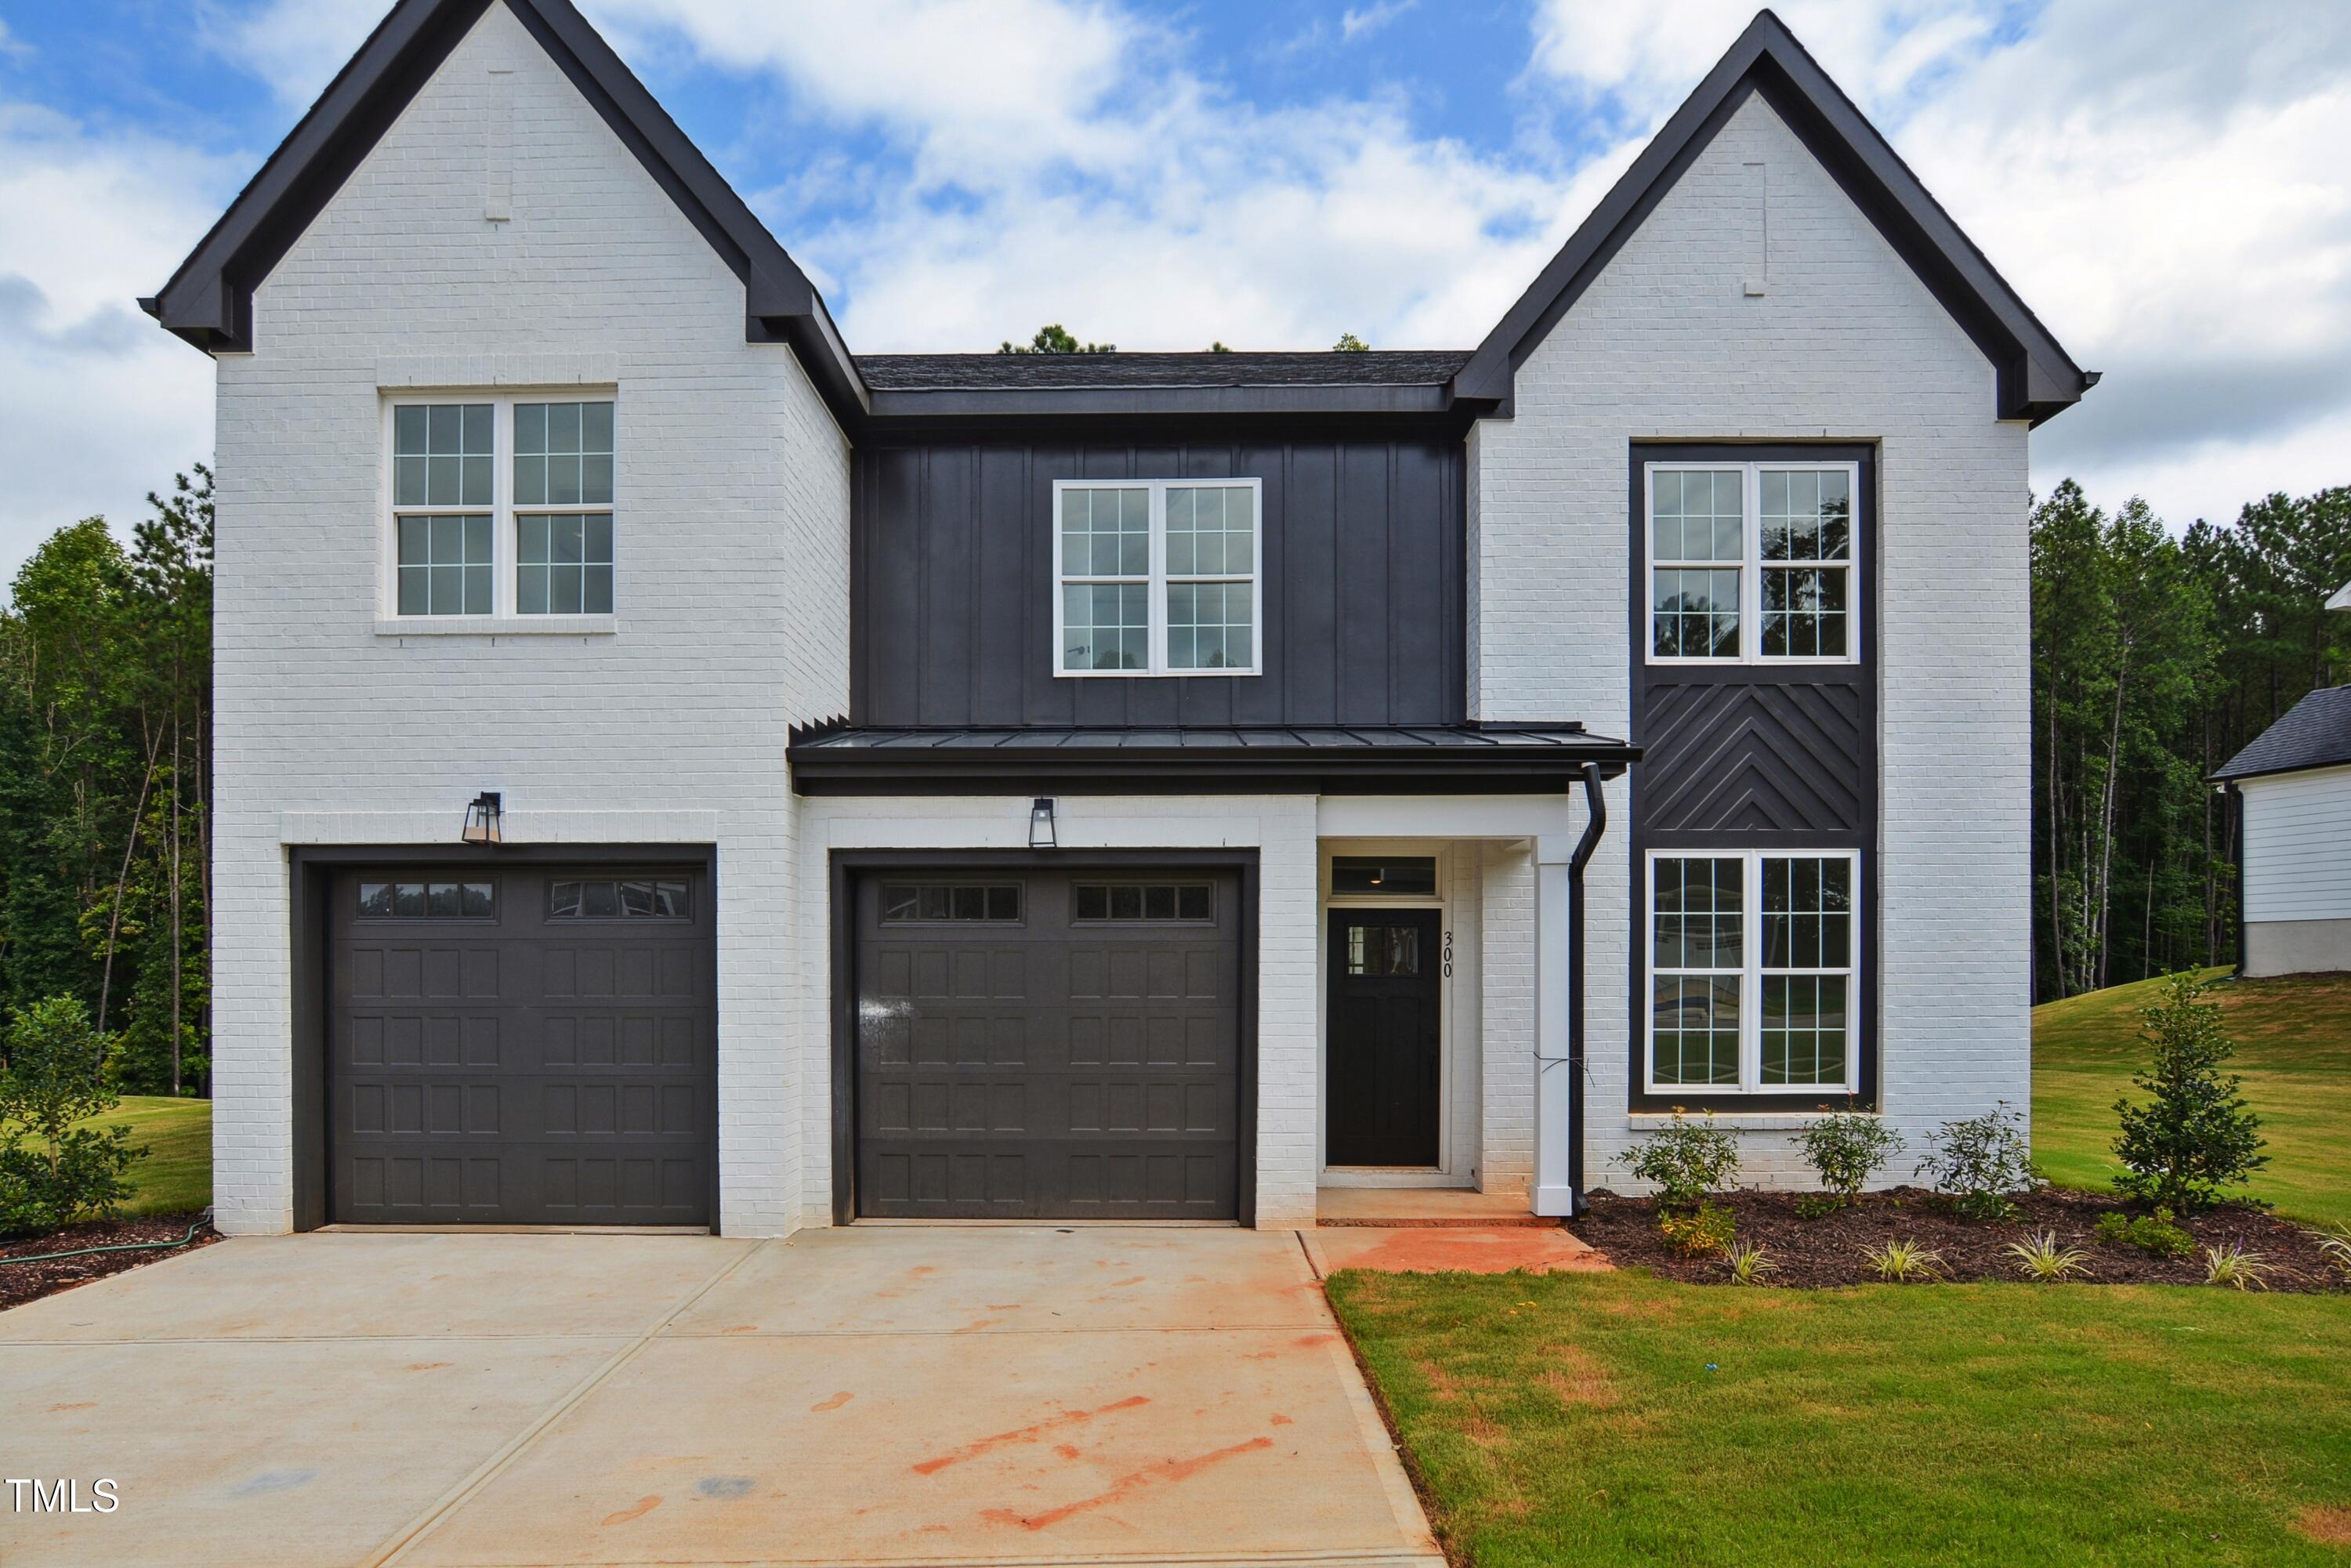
{"points": [[97, 406], [295, 45], [1361, 21]]}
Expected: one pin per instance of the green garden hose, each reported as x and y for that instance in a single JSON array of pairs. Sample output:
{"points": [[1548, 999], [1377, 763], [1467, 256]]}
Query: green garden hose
{"points": [[204, 1219]]}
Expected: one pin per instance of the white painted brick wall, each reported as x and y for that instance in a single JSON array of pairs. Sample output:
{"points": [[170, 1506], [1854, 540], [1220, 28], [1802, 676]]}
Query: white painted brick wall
{"points": [[1507, 985], [733, 516], [1845, 343], [1281, 827]]}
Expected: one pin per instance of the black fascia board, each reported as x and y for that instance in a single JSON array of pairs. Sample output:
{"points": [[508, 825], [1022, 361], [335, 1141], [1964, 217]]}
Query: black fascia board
{"points": [[2035, 377], [208, 300]]}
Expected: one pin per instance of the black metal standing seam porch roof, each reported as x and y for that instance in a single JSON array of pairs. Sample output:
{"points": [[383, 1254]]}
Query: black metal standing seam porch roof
{"points": [[1466, 758]]}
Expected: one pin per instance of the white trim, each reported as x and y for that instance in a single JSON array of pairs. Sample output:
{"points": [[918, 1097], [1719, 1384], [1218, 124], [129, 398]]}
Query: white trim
{"points": [[1452, 1170], [1750, 974], [505, 618], [1157, 577], [1749, 566]]}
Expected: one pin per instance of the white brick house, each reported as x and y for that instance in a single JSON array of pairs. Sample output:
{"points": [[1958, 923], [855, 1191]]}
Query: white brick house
{"points": [[1128, 786]]}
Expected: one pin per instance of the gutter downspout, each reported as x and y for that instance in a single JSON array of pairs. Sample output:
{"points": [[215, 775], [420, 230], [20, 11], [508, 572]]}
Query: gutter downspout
{"points": [[1596, 823]]}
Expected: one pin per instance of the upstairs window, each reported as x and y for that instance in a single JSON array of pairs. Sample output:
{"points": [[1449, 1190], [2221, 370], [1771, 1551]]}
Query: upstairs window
{"points": [[1752, 562], [1157, 576], [502, 506]]}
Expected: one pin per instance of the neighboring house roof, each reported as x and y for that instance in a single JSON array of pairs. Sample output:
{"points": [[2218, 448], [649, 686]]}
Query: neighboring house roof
{"points": [[2036, 377], [209, 300], [2342, 600], [840, 758], [2315, 733]]}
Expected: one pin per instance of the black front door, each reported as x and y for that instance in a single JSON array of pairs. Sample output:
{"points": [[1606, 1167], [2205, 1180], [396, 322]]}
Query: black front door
{"points": [[1385, 1059]]}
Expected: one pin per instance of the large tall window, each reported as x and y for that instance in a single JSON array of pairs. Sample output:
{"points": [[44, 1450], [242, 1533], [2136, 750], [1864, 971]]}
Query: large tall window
{"points": [[1753, 562], [502, 506], [1754, 971], [1157, 576]]}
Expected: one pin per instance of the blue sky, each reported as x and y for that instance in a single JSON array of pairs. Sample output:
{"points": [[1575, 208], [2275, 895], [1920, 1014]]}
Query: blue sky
{"points": [[1269, 173]]}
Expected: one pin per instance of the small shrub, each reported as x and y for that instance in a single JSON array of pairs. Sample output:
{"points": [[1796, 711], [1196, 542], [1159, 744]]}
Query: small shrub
{"points": [[1818, 1206], [2042, 1260], [1900, 1262], [2196, 1135], [2150, 1233], [1702, 1232], [1980, 1161], [51, 1171], [1686, 1161], [1748, 1263], [1845, 1150], [2234, 1267], [2335, 1245]]}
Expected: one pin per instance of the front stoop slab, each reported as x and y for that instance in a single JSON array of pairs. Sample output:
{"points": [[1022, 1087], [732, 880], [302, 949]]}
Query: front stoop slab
{"points": [[1443, 1249]]}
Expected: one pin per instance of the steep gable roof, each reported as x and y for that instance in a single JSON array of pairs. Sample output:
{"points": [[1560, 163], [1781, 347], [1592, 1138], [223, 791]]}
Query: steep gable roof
{"points": [[209, 300], [2036, 377]]}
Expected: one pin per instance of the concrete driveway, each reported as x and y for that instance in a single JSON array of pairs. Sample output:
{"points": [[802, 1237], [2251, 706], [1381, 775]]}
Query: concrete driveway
{"points": [[878, 1394]]}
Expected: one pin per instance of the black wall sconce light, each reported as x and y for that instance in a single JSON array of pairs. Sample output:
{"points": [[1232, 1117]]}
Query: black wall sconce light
{"points": [[1040, 823], [485, 821]]}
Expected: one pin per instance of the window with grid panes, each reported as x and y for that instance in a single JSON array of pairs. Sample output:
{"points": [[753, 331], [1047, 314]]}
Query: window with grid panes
{"points": [[1752, 562], [1157, 576]]}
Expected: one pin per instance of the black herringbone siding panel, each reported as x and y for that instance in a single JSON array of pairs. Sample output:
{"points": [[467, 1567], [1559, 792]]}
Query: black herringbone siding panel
{"points": [[1755, 758]]}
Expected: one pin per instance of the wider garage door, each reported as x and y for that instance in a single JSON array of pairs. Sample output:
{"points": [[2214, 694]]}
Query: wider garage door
{"points": [[520, 1045], [1061, 1045]]}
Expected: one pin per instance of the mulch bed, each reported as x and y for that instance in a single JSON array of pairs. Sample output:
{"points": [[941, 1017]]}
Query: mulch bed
{"points": [[1827, 1251], [22, 1282]]}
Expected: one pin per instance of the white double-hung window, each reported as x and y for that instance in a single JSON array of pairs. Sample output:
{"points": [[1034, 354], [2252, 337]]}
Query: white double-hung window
{"points": [[1753, 562], [501, 507], [1754, 971], [1157, 576]]}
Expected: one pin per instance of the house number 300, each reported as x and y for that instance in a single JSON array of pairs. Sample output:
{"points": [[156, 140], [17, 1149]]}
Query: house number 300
{"points": [[1448, 954]]}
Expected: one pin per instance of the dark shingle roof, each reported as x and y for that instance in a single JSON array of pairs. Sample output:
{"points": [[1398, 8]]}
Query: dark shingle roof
{"points": [[2315, 733], [1037, 373]]}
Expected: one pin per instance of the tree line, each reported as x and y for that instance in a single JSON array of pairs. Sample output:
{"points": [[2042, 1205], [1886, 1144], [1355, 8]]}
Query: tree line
{"points": [[106, 703], [2156, 657]]}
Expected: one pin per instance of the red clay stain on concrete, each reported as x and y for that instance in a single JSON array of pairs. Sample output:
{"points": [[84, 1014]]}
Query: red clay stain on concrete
{"points": [[1284, 1421], [1024, 1434], [644, 1505], [1308, 1342], [974, 1325], [426, 1365], [835, 1403], [1447, 1249], [1119, 1284], [81, 1404], [1003, 1306], [1165, 1473], [1067, 1451], [740, 1328]]}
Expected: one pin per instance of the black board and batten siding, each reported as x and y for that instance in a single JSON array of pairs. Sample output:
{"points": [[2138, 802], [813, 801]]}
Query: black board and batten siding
{"points": [[1362, 594], [1757, 757]]}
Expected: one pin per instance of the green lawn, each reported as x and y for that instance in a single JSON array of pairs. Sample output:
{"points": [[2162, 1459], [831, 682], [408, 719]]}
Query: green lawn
{"points": [[2293, 1050], [176, 1176], [1575, 1418]]}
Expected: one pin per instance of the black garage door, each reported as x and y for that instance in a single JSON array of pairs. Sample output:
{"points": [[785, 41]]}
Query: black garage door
{"points": [[520, 1045], [1061, 1045]]}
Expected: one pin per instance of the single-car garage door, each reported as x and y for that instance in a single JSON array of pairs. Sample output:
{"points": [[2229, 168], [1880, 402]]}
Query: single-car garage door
{"points": [[1062, 1045], [519, 1045]]}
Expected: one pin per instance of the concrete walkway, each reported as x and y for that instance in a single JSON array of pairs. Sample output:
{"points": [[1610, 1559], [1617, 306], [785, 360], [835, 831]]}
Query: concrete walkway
{"points": [[871, 1395]]}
